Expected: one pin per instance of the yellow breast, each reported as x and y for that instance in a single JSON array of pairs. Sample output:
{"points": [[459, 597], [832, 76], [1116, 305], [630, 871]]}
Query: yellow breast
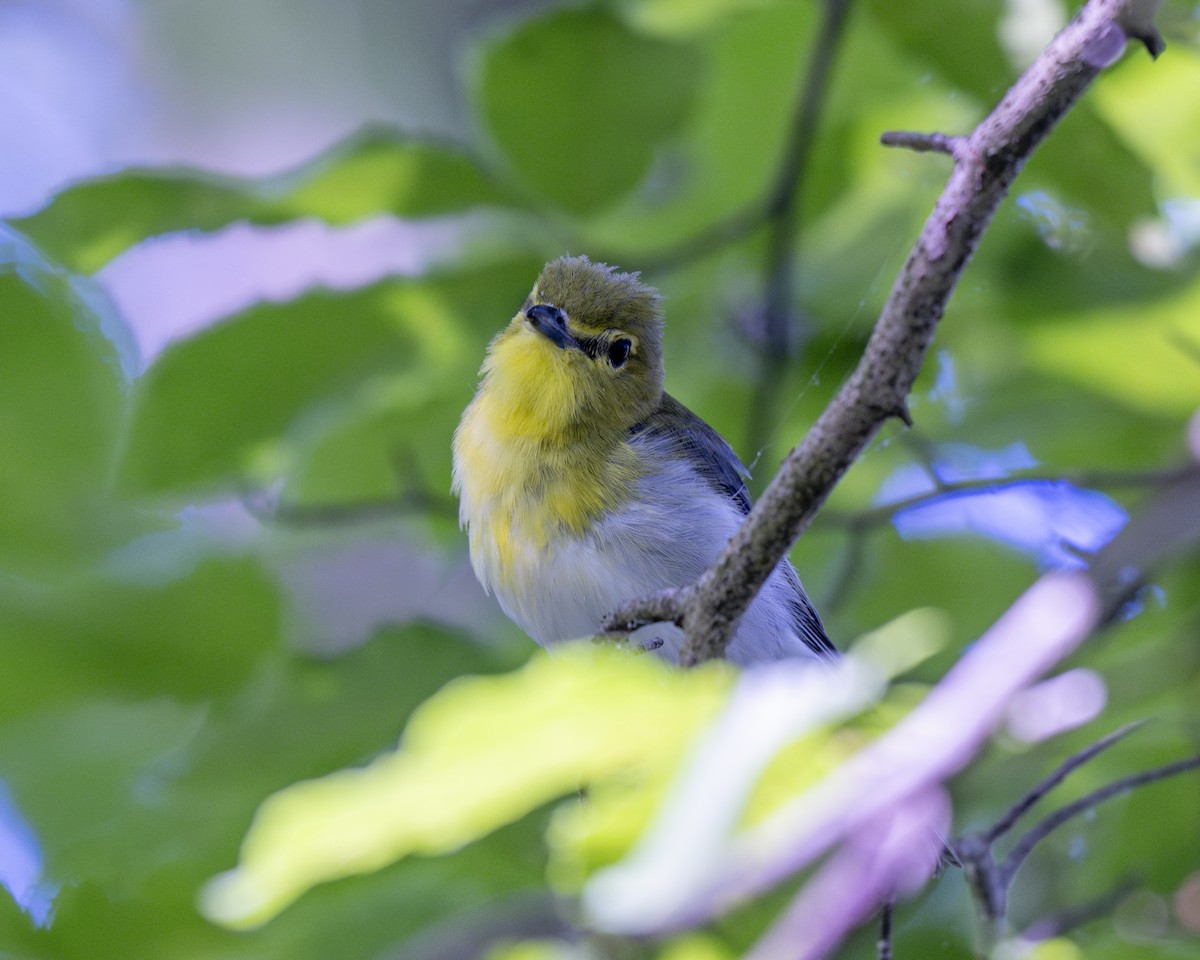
{"points": [[527, 469]]}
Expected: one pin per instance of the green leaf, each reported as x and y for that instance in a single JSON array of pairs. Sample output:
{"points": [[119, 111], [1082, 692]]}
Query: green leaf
{"points": [[578, 103], [74, 772], [1137, 354], [62, 398], [973, 61], [377, 171], [1151, 107], [675, 19], [1087, 166], [482, 753], [215, 408], [136, 801], [196, 637], [743, 95], [390, 441]]}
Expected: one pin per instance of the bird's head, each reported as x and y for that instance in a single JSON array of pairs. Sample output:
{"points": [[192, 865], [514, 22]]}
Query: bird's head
{"points": [[585, 350]]}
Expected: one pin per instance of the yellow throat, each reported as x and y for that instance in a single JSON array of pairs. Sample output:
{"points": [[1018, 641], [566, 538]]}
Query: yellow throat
{"points": [[542, 452], [531, 465]]}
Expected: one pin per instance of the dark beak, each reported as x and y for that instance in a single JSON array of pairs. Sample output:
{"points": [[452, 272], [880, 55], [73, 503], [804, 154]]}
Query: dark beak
{"points": [[551, 323]]}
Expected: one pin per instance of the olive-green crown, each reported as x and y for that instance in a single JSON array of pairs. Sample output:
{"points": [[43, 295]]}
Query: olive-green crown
{"points": [[597, 297]]}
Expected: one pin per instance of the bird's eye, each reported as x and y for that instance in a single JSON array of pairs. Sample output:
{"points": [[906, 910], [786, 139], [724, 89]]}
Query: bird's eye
{"points": [[618, 352]]}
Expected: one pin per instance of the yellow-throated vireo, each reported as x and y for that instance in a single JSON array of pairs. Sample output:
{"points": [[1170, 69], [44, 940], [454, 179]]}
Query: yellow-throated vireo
{"points": [[583, 485]]}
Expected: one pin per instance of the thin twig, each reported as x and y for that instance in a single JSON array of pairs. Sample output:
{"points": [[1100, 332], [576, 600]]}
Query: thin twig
{"points": [[1012, 863], [1067, 767], [1167, 525], [884, 947], [877, 516], [975, 852], [923, 142], [661, 607]]}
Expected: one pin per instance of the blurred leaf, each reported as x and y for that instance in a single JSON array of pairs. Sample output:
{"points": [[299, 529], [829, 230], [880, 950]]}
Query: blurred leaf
{"points": [[540, 950], [1089, 167], [973, 62], [481, 753], [1143, 355], [390, 440], [1056, 948], [107, 746], [744, 95], [577, 104], [193, 638], [377, 171], [308, 716], [149, 703], [583, 838], [1152, 107], [62, 398], [215, 407], [136, 802], [679, 19], [694, 947]]}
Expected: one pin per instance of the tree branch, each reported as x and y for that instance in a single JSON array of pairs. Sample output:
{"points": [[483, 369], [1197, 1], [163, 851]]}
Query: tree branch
{"points": [[1065, 769], [893, 787], [878, 389], [975, 852], [1012, 863], [924, 142], [990, 880]]}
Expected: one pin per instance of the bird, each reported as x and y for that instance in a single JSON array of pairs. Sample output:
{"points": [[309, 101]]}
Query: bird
{"points": [[583, 485]]}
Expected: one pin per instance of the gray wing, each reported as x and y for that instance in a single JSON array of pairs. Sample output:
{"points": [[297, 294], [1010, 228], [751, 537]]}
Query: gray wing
{"points": [[674, 426]]}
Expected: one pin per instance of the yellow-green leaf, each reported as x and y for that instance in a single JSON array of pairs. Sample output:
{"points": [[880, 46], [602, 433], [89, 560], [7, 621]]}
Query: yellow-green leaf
{"points": [[1142, 355], [479, 754]]}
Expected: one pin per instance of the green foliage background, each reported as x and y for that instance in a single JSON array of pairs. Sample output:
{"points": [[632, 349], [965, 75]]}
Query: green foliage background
{"points": [[154, 690]]}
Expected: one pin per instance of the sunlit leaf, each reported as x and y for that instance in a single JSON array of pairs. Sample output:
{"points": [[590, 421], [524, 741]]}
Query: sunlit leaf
{"points": [[1144, 356], [1150, 106], [480, 754], [791, 724], [539, 950], [695, 947], [1055, 948]]}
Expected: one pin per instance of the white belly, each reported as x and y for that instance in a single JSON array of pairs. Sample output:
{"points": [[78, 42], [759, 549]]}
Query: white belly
{"points": [[568, 587]]}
